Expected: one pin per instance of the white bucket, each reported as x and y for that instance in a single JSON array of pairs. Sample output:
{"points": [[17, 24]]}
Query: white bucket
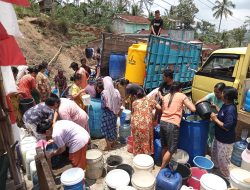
{"points": [[28, 140], [117, 178], [30, 156], [127, 113], [32, 169], [95, 164], [143, 180], [86, 99], [73, 177], [126, 188], [245, 163], [143, 162], [212, 182], [237, 177], [180, 156]]}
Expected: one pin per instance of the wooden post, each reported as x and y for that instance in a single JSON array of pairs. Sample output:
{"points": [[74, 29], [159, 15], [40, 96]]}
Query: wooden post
{"points": [[6, 136]]}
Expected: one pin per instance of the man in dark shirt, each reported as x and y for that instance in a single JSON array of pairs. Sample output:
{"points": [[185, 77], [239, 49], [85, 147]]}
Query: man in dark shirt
{"points": [[156, 24]]}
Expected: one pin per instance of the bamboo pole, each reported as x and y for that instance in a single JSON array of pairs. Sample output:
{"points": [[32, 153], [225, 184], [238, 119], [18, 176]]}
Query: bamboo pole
{"points": [[56, 56]]}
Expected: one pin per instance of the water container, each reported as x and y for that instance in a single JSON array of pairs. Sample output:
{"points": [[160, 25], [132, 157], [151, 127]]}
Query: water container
{"points": [[95, 115], [26, 104], [212, 182], [245, 164], [247, 101], [238, 148], [143, 180], [130, 144], [157, 130], [203, 163], [143, 162], [128, 169], [56, 161], [72, 179], [157, 152], [127, 114], [180, 156], [117, 66], [32, 169], [238, 177], [168, 180], [86, 99], [113, 161], [126, 188], [204, 109], [117, 178], [25, 146], [30, 156], [184, 171], [193, 136], [95, 164], [135, 66], [89, 52], [194, 180], [124, 132]]}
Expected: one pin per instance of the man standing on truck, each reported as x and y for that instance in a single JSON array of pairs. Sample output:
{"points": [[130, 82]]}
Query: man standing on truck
{"points": [[156, 24]]}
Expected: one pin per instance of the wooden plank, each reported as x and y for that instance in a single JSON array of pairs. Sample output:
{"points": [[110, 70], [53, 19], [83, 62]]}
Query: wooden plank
{"points": [[44, 173], [244, 117]]}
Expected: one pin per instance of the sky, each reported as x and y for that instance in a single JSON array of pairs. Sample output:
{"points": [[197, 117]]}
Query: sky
{"points": [[240, 12]]}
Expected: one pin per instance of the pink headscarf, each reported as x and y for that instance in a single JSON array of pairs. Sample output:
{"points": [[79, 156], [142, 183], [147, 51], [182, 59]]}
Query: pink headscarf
{"points": [[112, 97]]}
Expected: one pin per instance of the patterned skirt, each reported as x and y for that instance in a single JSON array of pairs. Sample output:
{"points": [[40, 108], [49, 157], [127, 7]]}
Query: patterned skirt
{"points": [[108, 125]]}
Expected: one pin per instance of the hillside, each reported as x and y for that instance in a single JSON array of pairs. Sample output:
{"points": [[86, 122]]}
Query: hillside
{"points": [[42, 40]]}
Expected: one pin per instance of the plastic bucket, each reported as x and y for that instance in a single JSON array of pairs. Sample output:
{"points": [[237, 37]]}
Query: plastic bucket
{"points": [[126, 188], [86, 99], [26, 104], [204, 109], [32, 169], [56, 161], [117, 178], [128, 169], [143, 180], [113, 161], [185, 173], [95, 164], [194, 180], [212, 182], [237, 177], [30, 156], [180, 156], [143, 162], [203, 163], [130, 144], [72, 179]]}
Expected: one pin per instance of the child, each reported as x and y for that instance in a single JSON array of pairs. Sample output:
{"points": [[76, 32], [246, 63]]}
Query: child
{"points": [[60, 82], [76, 90]]}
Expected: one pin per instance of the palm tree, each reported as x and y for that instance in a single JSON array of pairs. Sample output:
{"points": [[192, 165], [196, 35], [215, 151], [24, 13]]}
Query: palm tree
{"points": [[222, 9]]}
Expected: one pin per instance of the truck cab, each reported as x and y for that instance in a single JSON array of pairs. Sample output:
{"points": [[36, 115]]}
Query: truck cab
{"points": [[230, 66]]}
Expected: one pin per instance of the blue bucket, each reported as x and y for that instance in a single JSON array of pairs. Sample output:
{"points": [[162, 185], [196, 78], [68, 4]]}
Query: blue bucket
{"points": [[203, 162], [72, 179]]}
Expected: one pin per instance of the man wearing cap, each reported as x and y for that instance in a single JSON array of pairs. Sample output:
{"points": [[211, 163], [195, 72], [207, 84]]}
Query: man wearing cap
{"points": [[82, 71]]}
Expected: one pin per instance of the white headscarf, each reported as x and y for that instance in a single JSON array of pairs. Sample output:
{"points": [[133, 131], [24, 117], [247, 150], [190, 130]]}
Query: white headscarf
{"points": [[112, 97]]}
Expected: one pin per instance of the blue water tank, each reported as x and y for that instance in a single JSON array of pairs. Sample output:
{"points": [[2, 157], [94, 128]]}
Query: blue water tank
{"points": [[157, 151], [95, 115], [238, 148], [247, 101], [124, 132], [117, 66], [167, 180], [193, 136]]}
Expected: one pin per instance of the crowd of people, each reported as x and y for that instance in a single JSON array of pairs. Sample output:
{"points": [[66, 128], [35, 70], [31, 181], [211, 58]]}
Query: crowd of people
{"points": [[63, 119]]}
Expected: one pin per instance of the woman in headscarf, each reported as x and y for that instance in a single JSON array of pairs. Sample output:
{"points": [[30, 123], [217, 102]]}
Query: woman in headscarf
{"points": [[142, 120], [111, 103]]}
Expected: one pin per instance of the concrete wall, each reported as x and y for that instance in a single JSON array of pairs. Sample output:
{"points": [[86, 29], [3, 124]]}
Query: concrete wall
{"points": [[181, 35], [119, 26], [133, 28]]}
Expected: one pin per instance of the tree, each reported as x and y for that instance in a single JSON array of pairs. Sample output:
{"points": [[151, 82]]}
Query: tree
{"points": [[204, 27], [148, 4], [222, 9], [238, 34], [185, 12], [136, 10]]}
